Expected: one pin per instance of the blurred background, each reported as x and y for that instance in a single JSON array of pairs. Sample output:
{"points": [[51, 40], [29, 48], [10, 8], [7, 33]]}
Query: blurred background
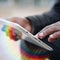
{"points": [[22, 8], [10, 50]]}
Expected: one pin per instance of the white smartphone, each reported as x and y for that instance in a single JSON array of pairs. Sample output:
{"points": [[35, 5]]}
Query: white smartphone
{"points": [[17, 32]]}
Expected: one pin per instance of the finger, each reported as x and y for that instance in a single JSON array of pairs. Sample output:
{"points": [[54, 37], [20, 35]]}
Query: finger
{"points": [[44, 28], [36, 35], [54, 36], [17, 20], [39, 34], [47, 31]]}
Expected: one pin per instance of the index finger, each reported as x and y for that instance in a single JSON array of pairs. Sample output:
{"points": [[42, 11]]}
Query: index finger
{"points": [[45, 32]]}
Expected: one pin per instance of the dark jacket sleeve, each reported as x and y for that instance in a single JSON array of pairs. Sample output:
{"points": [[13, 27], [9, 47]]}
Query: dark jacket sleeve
{"points": [[40, 21]]}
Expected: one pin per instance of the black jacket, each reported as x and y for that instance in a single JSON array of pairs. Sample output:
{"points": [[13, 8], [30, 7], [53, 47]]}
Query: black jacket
{"points": [[40, 21]]}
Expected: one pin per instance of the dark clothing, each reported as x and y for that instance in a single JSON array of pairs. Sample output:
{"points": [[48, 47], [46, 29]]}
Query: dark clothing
{"points": [[40, 21]]}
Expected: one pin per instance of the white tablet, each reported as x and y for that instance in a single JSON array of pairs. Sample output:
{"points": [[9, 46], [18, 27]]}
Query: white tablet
{"points": [[14, 31]]}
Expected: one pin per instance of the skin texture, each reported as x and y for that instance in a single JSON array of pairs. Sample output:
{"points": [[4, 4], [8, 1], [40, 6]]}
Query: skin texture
{"points": [[52, 30]]}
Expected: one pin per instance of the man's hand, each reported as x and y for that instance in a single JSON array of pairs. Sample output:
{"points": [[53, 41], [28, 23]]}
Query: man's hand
{"points": [[52, 30], [23, 22]]}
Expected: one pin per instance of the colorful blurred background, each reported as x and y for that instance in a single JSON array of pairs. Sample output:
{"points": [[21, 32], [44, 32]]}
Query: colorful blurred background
{"points": [[10, 50]]}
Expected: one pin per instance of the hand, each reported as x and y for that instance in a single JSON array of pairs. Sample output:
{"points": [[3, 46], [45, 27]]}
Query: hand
{"points": [[23, 22], [52, 30]]}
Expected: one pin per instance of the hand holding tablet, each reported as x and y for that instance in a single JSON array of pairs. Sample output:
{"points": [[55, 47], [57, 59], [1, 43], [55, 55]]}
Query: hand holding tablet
{"points": [[15, 32]]}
